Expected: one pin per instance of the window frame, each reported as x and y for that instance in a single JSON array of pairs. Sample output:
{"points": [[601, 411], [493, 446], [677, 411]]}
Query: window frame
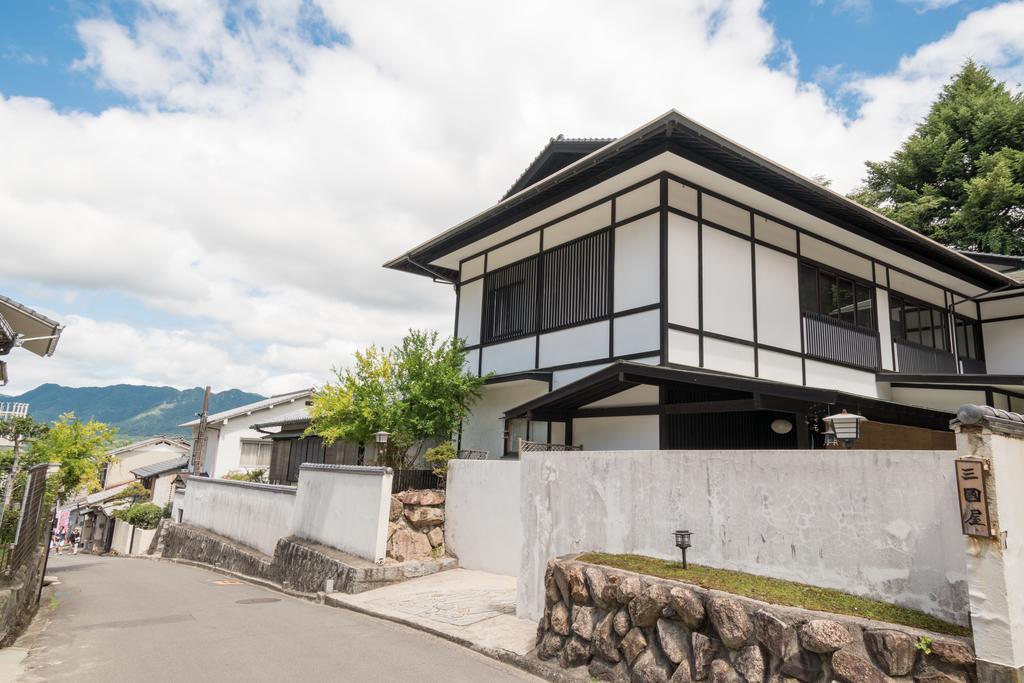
{"points": [[261, 444], [921, 307], [493, 283], [572, 298], [837, 276]]}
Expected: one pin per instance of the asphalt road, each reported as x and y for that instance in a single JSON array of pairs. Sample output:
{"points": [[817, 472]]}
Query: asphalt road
{"points": [[116, 619]]}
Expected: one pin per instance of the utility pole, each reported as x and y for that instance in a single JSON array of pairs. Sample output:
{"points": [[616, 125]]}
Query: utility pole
{"points": [[199, 447]]}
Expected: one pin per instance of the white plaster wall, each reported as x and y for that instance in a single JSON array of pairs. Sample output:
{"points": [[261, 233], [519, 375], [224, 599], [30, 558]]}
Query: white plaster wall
{"points": [[470, 310], [883, 524], [771, 232], [344, 507], [472, 268], [482, 525], [779, 367], [642, 395], [637, 264], [574, 344], [728, 357], [513, 356], [682, 197], [178, 503], [850, 380], [778, 299], [472, 363], [841, 260], [728, 306], [560, 378], [256, 515], [683, 302], [637, 201], [905, 284], [579, 225], [514, 251], [616, 433], [162, 488], [1003, 346], [483, 429], [1002, 308], [637, 333], [683, 348], [725, 214], [937, 399]]}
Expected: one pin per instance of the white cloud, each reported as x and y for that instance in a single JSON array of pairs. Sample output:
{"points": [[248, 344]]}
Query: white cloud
{"points": [[929, 5], [263, 178]]}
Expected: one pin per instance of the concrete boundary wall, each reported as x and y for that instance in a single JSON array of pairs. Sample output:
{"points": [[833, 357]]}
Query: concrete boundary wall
{"points": [[882, 524], [483, 527], [344, 507], [256, 515]]}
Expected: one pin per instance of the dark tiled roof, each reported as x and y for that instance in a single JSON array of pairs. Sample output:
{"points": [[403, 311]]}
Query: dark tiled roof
{"points": [[559, 153], [161, 467]]}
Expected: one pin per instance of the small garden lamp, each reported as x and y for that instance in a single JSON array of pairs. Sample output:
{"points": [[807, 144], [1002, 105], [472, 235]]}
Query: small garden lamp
{"points": [[381, 438], [683, 542], [845, 426]]}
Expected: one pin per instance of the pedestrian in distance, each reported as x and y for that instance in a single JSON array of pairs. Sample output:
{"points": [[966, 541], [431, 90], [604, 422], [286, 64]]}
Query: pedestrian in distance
{"points": [[76, 536], [61, 535]]}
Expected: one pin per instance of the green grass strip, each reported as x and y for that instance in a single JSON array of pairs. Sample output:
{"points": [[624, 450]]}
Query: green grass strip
{"points": [[777, 591]]}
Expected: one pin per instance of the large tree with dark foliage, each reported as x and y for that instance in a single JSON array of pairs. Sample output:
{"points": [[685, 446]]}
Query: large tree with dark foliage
{"points": [[959, 178]]}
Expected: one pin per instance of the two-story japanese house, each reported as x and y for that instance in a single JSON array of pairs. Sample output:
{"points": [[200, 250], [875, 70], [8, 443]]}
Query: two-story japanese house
{"points": [[673, 289]]}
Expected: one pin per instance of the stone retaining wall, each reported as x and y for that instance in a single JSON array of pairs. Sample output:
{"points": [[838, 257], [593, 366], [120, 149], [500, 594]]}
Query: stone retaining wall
{"points": [[630, 627], [18, 597], [416, 525], [297, 564]]}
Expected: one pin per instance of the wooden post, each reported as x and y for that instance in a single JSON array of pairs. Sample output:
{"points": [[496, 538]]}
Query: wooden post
{"points": [[199, 447]]}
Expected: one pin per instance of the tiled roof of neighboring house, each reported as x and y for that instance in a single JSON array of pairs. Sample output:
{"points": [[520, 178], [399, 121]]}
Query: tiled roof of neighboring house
{"points": [[1012, 266], [252, 407], [295, 417], [559, 153], [152, 441], [161, 467], [672, 132], [105, 494]]}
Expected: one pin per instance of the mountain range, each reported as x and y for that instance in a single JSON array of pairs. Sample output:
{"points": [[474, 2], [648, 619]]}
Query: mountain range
{"points": [[136, 410]]}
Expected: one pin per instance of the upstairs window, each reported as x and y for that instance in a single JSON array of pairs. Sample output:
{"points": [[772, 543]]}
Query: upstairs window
{"points": [[968, 339], [255, 454], [827, 293], [510, 301], [574, 287], [919, 323]]}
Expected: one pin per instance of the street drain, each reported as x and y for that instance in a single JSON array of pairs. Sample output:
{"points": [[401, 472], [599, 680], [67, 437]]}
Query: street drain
{"points": [[256, 601]]}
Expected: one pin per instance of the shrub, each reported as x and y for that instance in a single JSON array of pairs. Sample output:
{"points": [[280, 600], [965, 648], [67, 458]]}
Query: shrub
{"points": [[258, 476], [141, 515], [132, 490], [167, 511], [439, 456]]}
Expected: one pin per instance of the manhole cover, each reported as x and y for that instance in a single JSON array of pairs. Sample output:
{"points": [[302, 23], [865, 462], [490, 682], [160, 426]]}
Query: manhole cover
{"points": [[256, 601], [227, 582]]}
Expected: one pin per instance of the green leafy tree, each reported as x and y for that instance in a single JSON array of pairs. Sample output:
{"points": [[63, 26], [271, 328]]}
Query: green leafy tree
{"points": [[18, 430], [959, 178], [141, 515], [80, 448], [417, 391]]}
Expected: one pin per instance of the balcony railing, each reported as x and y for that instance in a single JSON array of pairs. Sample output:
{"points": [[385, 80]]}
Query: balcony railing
{"points": [[973, 367], [838, 341], [923, 360]]}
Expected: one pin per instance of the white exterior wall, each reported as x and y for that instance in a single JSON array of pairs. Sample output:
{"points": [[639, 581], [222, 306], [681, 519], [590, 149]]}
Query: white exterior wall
{"points": [[162, 488], [344, 507], [482, 525], [778, 299], [178, 505], [124, 542], [484, 429], [883, 524], [256, 515], [637, 263], [224, 437], [612, 433], [1003, 346], [575, 344], [728, 305]]}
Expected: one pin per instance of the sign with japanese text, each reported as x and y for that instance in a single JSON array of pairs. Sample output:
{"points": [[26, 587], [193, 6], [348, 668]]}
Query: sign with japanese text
{"points": [[970, 483]]}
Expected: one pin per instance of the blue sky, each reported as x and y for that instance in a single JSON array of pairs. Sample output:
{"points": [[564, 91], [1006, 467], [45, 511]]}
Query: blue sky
{"points": [[204, 193]]}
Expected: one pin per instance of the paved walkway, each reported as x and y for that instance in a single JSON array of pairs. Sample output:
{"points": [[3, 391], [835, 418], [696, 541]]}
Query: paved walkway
{"points": [[470, 606], [118, 619]]}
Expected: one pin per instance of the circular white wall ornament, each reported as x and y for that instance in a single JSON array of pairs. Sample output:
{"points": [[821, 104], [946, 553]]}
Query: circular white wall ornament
{"points": [[781, 426]]}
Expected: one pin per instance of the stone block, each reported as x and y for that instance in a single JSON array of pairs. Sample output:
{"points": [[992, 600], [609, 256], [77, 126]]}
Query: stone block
{"points": [[396, 509], [633, 644], [560, 622], [422, 497], [422, 517], [704, 649], [575, 653], [622, 623], [436, 537], [894, 650], [749, 662], [674, 640], [601, 670], [852, 668], [606, 641], [688, 606], [584, 620], [645, 608], [649, 667], [776, 635], [824, 636], [729, 617], [408, 544], [550, 646]]}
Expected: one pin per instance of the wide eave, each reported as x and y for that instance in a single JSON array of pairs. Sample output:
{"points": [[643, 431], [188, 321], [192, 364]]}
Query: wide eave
{"points": [[678, 134]]}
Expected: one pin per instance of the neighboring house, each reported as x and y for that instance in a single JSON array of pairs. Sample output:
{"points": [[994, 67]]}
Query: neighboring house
{"points": [[124, 460], [31, 330], [673, 289], [291, 449], [232, 445], [9, 409], [159, 478]]}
